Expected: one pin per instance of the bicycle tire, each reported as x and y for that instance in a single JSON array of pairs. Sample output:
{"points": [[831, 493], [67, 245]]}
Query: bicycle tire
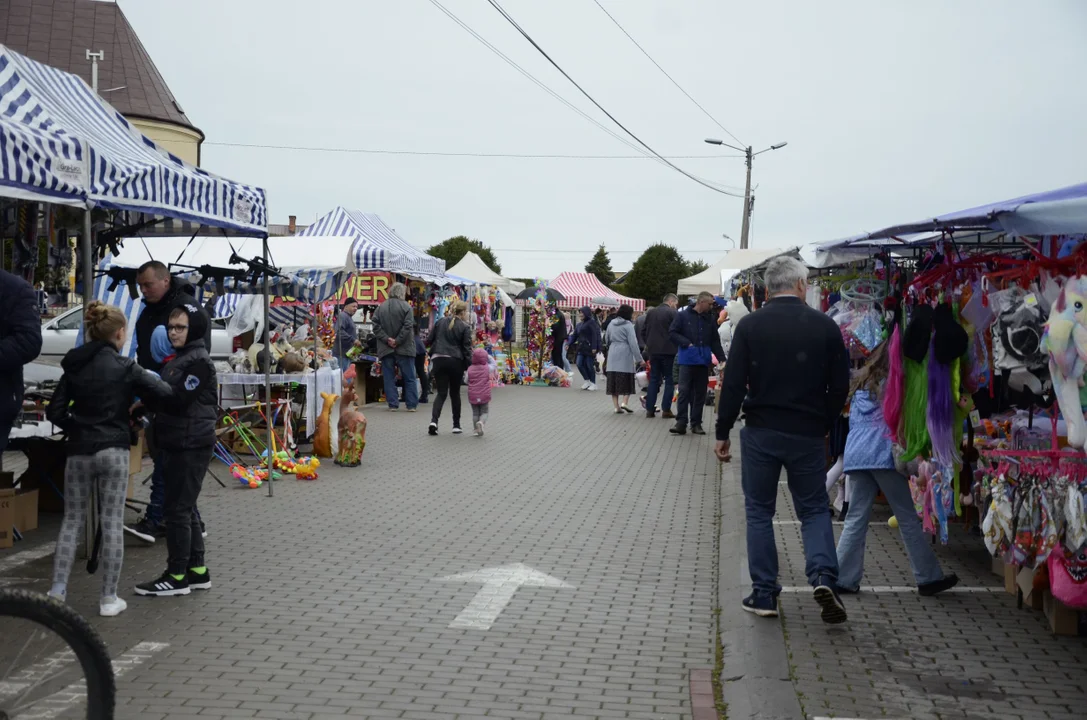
{"points": [[78, 634]]}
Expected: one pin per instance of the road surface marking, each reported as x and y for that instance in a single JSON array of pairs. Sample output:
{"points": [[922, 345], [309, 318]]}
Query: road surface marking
{"points": [[59, 702], [904, 589], [36, 673], [499, 586], [25, 556]]}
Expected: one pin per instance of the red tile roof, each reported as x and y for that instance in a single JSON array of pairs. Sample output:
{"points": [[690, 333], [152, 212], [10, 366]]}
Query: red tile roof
{"points": [[59, 33]]}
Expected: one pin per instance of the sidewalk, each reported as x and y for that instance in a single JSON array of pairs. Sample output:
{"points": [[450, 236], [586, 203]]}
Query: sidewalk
{"points": [[966, 654]]}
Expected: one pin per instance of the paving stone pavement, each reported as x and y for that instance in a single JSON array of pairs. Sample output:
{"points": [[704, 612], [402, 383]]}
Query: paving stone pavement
{"points": [[962, 655], [326, 602]]}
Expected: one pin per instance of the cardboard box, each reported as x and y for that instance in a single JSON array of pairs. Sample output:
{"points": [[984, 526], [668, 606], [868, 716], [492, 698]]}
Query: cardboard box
{"points": [[26, 510], [1063, 620], [1011, 572], [135, 455], [7, 518]]}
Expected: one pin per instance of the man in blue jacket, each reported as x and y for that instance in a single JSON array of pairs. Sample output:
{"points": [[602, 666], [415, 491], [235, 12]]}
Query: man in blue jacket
{"points": [[695, 334]]}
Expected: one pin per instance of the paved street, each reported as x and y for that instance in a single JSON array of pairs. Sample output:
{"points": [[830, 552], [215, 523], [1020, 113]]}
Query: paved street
{"points": [[327, 600], [562, 566]]}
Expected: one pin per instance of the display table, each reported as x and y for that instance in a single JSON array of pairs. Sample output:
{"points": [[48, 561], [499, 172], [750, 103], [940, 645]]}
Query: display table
{"points": [[325, 380]]}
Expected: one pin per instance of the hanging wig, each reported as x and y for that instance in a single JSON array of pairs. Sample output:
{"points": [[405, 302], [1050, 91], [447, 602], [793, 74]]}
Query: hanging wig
{"points": [[940, 415], [892, 394], [914, 407]]}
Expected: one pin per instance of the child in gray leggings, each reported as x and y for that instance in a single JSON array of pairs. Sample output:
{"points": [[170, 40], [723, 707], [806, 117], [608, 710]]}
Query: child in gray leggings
{"points": [[91, 404]]}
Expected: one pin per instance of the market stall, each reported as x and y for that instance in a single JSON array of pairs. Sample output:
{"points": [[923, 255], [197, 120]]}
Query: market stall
{"points": [[582, 288], [987, 338], [714, 278]]}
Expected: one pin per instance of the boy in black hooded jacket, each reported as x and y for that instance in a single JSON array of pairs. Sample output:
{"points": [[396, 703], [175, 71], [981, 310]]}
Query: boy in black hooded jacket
{"points": [[185, 434]]}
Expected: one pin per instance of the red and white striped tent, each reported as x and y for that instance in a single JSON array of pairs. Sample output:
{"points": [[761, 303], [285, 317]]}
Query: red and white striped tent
{"points": [[582, 288]]}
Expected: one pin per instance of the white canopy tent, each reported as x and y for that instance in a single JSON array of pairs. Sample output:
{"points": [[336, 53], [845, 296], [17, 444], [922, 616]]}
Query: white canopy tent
{"points": [[713, 278], [471, 267]]}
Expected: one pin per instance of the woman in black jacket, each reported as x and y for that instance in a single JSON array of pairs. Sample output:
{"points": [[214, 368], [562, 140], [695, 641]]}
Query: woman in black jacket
{"points": [[558, 339], [185, 436], [450, 345], [91, 404]]}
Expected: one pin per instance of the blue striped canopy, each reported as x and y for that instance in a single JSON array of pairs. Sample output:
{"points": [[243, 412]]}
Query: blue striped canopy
{"points": [[61, 143], [377, 246]]}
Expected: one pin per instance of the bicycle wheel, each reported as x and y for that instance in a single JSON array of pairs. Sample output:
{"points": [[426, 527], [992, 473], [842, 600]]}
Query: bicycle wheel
{"points": [[52, 662]]}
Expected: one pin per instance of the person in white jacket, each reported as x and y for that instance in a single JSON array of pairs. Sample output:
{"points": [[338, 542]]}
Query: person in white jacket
{"points": [[735, 312]]}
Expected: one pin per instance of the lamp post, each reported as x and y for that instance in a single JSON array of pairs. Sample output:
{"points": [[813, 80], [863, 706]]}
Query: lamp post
{"points": [[748, 155]]}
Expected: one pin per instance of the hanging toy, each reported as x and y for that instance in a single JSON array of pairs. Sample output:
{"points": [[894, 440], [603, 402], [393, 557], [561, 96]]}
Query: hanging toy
{"points": [[1065, 340]]}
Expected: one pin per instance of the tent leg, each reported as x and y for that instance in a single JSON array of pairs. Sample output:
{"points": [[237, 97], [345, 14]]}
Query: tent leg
{"points": [[268, 370], [87, 261]]}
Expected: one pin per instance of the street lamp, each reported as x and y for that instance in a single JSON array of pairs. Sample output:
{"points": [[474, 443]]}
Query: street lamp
{"points": [[748, 154]]}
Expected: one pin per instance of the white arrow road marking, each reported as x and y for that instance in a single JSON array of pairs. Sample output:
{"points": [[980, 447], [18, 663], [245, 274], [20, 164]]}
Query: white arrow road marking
{"points": [[499, 586], [50, 707]]}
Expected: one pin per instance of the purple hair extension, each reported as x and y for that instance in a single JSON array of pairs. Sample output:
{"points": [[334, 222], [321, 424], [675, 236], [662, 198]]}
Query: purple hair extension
{"points": [[893, 391], [941, 412]]}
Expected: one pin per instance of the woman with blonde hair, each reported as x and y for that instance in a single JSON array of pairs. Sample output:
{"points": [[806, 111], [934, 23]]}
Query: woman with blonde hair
{"points": [[450, 345], [91, 404]]}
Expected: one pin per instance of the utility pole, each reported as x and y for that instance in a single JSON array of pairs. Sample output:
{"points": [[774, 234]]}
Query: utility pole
{"points": [[747, 202], [749, 156], [87, 258]]}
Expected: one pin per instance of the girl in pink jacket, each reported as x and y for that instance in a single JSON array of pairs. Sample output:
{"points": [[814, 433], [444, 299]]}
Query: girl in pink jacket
{"points": [[479, 389]]}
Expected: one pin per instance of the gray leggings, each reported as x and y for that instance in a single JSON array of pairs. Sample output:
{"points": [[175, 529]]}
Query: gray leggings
{"points": [[110, 469], [480, 413]]}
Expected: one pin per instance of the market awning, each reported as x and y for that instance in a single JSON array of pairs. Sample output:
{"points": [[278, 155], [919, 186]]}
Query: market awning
{"points": [[582, 288], [713, 278], [62, 143], [471, 266], [377, 246], [988, 217]]}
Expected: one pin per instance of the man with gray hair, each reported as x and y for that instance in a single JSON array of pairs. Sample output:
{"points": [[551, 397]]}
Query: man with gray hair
{"points": [[789, 371], [394, 328], [695, 334], [662, 355]]}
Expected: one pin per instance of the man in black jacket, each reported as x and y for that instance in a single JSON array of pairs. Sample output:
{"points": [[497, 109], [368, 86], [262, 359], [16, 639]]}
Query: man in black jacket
{"points": [[162, 293], [662, 356], [789, 370], [20, 343]]}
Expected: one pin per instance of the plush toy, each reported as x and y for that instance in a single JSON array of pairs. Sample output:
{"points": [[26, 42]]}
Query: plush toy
{"points": [[352, 427], [1068, 577], [1065, 340], [322, 436]]}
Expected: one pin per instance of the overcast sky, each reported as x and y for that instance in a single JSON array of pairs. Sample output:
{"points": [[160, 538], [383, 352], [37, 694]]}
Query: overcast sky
{"points": [[893, 111]]}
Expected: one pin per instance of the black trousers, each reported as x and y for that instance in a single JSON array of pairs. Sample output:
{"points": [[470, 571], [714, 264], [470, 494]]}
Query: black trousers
{"points": [[184, 474], [693, 380], [448, 376]]}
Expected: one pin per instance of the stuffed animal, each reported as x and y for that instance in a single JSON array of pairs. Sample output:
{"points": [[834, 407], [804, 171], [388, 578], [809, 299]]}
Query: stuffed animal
{"points": [[322, 436], [352, 427], [1065, 340]]}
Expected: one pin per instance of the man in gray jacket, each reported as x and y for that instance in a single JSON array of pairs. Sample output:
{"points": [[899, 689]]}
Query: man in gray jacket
{"points": [[394, 327]]}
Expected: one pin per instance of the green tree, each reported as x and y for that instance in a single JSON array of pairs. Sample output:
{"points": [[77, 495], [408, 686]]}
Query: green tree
{"points": [[696, 266], [655, 273], [455, 248], [600, 266]]}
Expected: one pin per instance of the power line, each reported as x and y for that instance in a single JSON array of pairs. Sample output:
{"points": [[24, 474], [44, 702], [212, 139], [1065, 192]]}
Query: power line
{"points": [[532, 156], [611, 117], [674, 82]]}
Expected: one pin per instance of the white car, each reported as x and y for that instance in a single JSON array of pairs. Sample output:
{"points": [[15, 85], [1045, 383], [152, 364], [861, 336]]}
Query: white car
{"points": [[59, 336]]}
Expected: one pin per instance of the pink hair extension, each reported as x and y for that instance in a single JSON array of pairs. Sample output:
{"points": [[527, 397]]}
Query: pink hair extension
{"points": [[893, 390]]}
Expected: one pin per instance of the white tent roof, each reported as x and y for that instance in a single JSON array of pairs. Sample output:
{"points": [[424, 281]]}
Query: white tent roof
{"points": [[471, 267], [712, 279]]}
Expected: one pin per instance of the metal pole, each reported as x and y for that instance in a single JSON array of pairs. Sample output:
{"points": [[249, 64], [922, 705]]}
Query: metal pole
{"points": [[747, 204], [268, 367], [87, 261]]}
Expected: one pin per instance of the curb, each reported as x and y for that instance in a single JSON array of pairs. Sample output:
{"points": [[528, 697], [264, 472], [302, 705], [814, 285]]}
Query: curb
{"points": [[755, 670]]}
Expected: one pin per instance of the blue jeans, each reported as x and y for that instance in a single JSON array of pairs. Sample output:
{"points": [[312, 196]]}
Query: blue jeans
{"points": [[586, 366], [389, 363], [660, 367], [865, 484], [763, 453]]}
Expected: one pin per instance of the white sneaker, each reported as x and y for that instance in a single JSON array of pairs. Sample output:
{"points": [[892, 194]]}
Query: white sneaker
{"points": [[111, 607], [592, 387], [457, 431], [59, 597], [479, 429], [585, 385]]}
